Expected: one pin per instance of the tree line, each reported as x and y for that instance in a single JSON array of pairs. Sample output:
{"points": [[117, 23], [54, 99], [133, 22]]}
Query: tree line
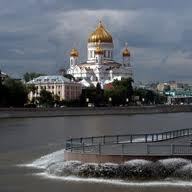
{"points": [[14, 93]]}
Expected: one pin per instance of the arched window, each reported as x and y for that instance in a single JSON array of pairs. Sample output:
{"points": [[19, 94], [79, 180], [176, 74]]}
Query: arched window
{"points": [[104, 53]]}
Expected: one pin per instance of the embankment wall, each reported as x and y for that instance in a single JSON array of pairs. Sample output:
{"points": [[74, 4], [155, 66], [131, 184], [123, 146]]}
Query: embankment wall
{"points": [[86, 111]]}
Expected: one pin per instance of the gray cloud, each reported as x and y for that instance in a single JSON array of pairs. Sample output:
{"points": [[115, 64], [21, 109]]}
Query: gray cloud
{"points": [[37, 35]]}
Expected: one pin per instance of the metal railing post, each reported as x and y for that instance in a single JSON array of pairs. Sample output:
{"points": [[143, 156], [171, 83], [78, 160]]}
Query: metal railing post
{"points": [[146, 138], [122, 146], [131, 139], [172, 149], [83, 145], [104, 139], [99, 148], [157, 137], [71, 143], [148, 151]]}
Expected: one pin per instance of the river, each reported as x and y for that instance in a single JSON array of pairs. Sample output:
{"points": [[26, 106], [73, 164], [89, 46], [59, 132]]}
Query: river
{"points": [[25, 140]]}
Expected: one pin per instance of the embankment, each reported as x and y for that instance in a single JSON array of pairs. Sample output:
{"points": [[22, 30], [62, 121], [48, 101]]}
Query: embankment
{"points": [[86, 111]]}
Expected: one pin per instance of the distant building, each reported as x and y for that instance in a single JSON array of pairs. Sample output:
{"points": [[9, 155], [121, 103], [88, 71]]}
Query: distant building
{"points": [[161, 87], [172, 86], [57, 85], [3, 76], [175, 86]]}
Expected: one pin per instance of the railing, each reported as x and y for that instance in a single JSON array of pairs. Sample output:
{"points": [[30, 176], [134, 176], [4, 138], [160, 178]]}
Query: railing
{"points": [[95, 143], [136, 150]]}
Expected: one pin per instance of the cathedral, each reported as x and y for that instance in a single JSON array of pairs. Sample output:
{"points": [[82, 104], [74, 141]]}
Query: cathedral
{"points": [[100, 66]]}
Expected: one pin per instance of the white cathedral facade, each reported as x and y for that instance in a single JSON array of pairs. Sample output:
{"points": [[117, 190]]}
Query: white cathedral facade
{"points": [[100, 66]]}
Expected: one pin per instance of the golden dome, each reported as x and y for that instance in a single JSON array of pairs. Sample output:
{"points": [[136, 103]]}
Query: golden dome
{"points": [[100, 34], [74, 53], [126, 52]]}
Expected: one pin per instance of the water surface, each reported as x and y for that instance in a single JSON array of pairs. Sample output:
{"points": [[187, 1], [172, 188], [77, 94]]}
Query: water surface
{"points": [[22, 141]]}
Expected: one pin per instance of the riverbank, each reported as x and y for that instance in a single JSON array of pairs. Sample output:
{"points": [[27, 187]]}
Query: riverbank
{"points": [[87, 111]]}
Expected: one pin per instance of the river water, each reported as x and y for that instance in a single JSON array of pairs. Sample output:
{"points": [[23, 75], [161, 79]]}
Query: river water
{"points": [[25, 141]]}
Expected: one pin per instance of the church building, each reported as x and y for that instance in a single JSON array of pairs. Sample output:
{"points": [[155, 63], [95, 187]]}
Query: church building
{"points": [[100, 66]]}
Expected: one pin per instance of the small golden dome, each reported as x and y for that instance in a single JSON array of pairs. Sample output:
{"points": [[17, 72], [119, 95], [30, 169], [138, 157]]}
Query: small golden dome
{"points": [[74, 53], [126, 52], [100, 34]]}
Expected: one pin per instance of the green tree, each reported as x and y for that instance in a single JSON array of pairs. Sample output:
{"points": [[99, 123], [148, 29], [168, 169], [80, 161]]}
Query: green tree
{"points": [[31, 88], [88, 93], [14, 93], [69, 76], [99, 96], [120, 92], [46, 98]]}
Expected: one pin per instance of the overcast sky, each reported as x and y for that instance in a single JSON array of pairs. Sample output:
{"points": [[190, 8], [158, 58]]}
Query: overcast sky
{"points": [[37, 35]]}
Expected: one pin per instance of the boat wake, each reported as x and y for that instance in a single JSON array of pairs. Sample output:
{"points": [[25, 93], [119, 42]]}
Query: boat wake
{"points": [[172, 172]]}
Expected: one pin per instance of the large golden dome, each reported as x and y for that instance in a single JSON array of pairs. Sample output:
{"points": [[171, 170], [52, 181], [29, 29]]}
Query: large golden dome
{"points": [[74, 53], [100, 34]]}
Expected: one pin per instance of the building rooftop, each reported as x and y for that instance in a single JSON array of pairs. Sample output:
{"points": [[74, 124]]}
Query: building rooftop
{"points": [[49, 79], [4, 74]]}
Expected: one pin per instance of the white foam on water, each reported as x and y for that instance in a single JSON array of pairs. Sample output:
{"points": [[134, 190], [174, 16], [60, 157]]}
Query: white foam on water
{"points": [[174, 183], [174, 161], [46, 160], [136, 162], [56, 161]]}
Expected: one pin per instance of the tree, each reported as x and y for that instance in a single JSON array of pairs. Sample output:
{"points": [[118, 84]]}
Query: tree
{"points": [[14, 93], [69, 76], [46, 98], [88, 93], [29, 76], [120, 92], [149, 96], [99, 97], [31, 88]]}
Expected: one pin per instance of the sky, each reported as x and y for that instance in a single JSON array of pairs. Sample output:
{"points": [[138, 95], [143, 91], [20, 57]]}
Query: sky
{"points": [[37, 35]]}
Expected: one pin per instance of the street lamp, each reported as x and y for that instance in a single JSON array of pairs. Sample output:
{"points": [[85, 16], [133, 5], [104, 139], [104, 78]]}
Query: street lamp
{"points": [[87, 100], [143, 100], [127, 100], [110, 100]]}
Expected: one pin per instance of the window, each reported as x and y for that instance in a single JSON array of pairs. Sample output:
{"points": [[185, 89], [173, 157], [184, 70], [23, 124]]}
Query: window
{"points": [[104, 53]]}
